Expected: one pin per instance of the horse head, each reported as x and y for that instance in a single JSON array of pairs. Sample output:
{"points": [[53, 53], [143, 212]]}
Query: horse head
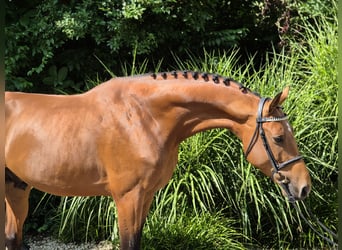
{"points": [[269, 144]]}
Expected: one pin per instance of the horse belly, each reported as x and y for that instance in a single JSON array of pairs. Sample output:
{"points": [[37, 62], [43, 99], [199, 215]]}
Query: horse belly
{"points": [[74, 189], [56, 165], [68, 180]]}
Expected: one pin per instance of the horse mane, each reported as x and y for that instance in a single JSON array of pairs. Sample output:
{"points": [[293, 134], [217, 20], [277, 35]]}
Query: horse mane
{"points": [[195, 75]]}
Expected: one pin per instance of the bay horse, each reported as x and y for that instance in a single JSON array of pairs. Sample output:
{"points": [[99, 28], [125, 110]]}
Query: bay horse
{"points": [[121, 139]]}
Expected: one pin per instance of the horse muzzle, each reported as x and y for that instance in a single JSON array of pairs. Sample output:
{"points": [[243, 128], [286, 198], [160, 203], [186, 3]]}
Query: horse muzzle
{"points": [[290, 190]]}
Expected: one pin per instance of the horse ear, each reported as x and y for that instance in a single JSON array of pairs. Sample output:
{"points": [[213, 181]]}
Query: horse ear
{"points": [[279, 99]]}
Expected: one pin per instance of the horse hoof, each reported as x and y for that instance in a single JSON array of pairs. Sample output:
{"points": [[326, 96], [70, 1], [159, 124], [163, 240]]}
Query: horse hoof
{"points": [[23, 247]]}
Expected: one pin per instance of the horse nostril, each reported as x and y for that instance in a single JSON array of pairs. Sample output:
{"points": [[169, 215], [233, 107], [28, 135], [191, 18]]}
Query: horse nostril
{"points": [[305, 192]]}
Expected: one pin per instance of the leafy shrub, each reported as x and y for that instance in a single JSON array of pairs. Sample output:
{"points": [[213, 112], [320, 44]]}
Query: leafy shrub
{"points": [[67, 35]]}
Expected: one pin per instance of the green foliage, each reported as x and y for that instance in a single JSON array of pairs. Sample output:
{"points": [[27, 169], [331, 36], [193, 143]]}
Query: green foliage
{"points": [[58, 77], [298, 14], [312, 8], [41, 216], [71, 34], [198, 182], [318, 74], [204, 231], [87, 219]]}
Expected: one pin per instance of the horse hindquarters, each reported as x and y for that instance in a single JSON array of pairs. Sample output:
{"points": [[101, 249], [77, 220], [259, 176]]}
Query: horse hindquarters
{"points": [[16, 201]]}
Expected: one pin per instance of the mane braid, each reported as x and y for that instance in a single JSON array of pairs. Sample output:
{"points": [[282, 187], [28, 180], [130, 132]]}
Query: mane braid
{"points": [[174, 73], [207, 77], [216, 78]]}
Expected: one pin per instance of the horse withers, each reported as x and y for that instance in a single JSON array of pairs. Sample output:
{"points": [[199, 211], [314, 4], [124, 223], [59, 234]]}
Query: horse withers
{"points": [[121, 139]]}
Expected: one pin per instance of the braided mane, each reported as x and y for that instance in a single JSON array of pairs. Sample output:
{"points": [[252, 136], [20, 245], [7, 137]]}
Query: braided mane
{"points": [[207, 77]]}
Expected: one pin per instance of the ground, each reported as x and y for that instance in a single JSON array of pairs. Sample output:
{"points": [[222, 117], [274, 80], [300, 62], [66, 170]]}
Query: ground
{"points": [[48, 243]]}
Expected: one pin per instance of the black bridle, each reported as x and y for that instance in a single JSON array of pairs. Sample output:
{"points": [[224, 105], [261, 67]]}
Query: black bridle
{"points": [[260, 131]]}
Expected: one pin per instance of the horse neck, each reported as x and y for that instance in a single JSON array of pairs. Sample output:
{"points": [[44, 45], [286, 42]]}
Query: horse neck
{"points": [[183, 107]]}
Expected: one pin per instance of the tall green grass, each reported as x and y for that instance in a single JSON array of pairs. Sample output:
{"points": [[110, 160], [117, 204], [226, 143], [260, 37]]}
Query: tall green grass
{"points": [[188, 232], [213, 176], [87, 219]]}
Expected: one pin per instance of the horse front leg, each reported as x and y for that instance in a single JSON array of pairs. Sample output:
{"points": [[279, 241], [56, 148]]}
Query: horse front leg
{"points": [[132, 214]]}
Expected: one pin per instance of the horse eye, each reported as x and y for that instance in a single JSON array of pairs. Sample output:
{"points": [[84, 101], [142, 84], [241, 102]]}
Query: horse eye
{"points": [[278, 139]]}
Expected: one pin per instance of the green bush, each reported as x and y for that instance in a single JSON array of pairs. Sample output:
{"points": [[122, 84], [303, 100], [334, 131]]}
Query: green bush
{"points": [[45, 37]]}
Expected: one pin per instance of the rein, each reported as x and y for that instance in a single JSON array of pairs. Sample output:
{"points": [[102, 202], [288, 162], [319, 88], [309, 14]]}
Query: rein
{"points": [[311, 224], [278, 166]]}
